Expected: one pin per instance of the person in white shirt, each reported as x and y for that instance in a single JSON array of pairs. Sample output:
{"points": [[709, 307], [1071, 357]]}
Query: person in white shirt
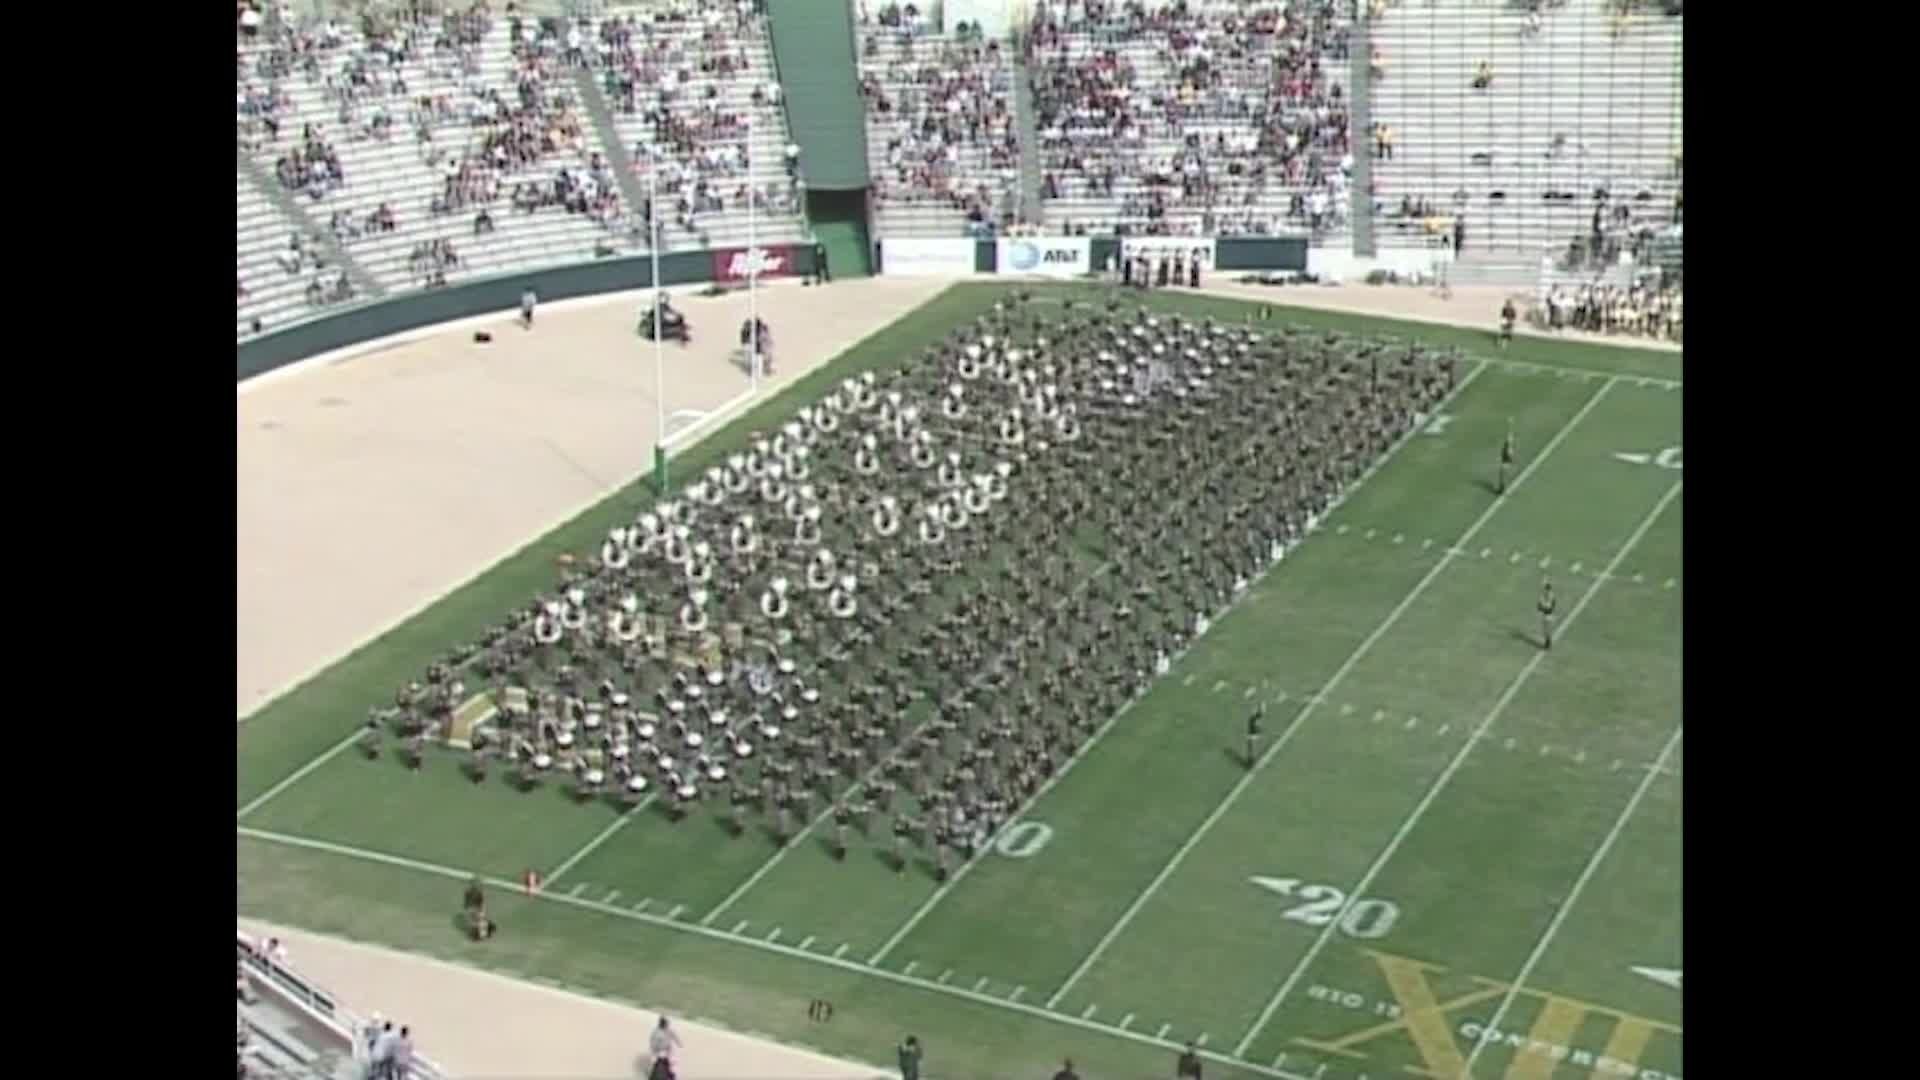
{"points": [[663, 1042]]}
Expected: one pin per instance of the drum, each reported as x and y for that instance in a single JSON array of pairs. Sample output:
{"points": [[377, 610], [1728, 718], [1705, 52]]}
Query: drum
{"points": [[620, 752], [676, 706], [769, 732], [620, 699], [716, 773], [694, 740], [694, 693], [565, 739], [543, 761], [636, 784], [665, 763], [715, 678], [594, 720], [786, 666], [688, 792], [595, 777], [743, 750]]}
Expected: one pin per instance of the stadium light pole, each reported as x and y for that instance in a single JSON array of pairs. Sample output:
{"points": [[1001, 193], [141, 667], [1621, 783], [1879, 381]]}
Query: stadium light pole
{"points": [[659, 339]]}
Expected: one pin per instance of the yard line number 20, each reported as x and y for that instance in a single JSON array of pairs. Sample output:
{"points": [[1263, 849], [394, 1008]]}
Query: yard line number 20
{"points": [[1321, 904]]}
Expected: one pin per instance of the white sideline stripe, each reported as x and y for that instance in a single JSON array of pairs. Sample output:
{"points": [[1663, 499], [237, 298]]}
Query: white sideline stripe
{"points": [[960, 874], [610, 897], [1352, 661], [981, 983], [1453, 766], [841, 951], [1125, 1021], [1559, 915], [739, 926], [578, 888], [695, 930], [806, 941], [774, 936], [298, 774], [619, 823]]}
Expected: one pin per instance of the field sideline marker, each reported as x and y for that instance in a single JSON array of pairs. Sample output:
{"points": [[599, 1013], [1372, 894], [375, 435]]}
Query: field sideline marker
{"points": [[1566, 905], [1440, 782], [1340, 674], [1087, 748], [299, 774], [696, 930]]}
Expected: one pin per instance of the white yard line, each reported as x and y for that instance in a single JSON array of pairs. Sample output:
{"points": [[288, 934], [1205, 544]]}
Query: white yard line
{"points": [[1027, 1009], [960, 874], [1352, 661], [590, 846], [1453, 766], [299, 774], [1559, 916]]}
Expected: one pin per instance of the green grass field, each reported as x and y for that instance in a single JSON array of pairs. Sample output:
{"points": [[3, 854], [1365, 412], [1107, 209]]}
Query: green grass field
{"points": [[1448, 830]]}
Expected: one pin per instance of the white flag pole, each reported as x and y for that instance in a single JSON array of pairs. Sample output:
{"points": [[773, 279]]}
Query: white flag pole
{"points": [[753, 258], [659, 339]]}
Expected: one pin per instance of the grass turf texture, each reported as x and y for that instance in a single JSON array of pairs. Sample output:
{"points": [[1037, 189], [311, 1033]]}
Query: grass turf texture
{"points": [[1478, 870]]}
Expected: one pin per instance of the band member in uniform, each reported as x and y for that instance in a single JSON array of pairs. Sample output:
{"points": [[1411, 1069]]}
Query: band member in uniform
{"points": [[527, 300], [902, 832], [1547, 605], [1193, 271], [842, 817], [1253, 733], [1506, 458], [1507, 317]]}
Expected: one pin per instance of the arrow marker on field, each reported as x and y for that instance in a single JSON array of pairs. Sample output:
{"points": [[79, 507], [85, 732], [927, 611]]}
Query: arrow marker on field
{"points": [[1634, 459], [1663, 976], [1283, 886]]}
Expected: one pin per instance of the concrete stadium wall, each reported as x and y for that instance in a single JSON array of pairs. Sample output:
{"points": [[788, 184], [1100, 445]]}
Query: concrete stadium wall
{"points": [[412, 311]]}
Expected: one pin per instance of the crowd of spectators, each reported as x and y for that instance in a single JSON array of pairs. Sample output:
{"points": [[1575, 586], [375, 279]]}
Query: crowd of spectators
{"points": [[1651, 307], [943, 110], [1235, 112], [685, 70]]}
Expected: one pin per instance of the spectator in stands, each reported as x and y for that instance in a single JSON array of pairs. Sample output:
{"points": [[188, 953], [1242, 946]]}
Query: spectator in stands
{"points": [[1383, 142], [1483, 75]]}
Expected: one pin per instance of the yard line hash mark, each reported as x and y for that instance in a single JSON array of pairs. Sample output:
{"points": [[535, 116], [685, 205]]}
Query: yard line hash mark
{"points": [[692, 929], [1339, 675], [1433, 791]]}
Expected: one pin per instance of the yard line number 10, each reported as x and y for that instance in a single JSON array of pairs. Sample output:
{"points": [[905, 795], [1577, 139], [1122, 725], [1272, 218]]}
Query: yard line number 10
{"points": [[1319, 905]]}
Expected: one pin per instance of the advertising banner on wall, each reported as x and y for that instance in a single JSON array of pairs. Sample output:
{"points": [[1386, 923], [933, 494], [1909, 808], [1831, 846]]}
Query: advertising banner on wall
{"points": [[924, 256], [1181, 247], [1052, 256], [737, 264]]}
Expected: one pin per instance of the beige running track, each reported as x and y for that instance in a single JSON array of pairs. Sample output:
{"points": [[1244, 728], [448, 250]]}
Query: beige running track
{"points": [[476, 1024], [369, 487]]}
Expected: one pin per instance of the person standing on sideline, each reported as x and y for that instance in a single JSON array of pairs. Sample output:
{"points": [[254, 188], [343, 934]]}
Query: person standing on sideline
{"points": [[910, 1054], [663, 1042], [822, 273], [527, 300], [1506, 459], [402, 1059], [1507, 316], [1547, 606], [1188, 1067], [1253, 733], [1066, 1071], [383, 1052]]}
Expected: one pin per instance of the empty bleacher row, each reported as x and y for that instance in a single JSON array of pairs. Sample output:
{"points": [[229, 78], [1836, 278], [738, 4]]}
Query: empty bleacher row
{"points": [[439, 147], [1211, 117], [1533, 124]]}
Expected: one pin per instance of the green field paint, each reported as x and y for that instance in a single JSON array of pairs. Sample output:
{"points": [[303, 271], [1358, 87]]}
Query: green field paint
{"points": [[1341, 531], [1379, 715], [1398, 537], [1369, 535]]}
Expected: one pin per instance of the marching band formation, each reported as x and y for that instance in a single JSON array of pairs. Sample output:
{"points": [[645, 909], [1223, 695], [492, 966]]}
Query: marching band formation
{"points": [[912, 603]]}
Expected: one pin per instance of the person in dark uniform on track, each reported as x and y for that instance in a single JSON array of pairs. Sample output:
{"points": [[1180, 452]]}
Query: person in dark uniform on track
{"points": [[1126, 270], [1160, 271], [1193, 271], [822, 273], [1547, 605], [527, 301], [1188, 1066], [1506, 459], [1507, 317], [902, 834], [1253, 733]]}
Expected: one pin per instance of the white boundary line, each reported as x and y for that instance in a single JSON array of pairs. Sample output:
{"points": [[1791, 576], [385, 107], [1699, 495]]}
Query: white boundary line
{"points": [[604, 835], [1540, 949], [1339, 675], [298, 774], [1446, 775], [696, 930], [948, 886]]}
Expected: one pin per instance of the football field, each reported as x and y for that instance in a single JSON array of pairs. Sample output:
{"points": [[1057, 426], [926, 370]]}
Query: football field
{"points": [[1454, 852]]}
